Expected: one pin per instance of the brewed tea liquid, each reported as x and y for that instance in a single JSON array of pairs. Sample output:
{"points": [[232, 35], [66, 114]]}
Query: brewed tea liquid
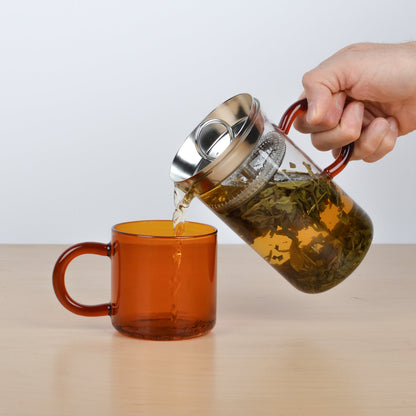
{"points": [[304, 226], [182, 201]]}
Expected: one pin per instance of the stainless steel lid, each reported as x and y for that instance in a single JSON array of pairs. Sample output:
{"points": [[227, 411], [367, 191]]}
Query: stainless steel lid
{"points": [[219, 144]]}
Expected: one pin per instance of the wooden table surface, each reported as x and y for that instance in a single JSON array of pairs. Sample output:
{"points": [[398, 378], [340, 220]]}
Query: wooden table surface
{"points": [[274, 351]]}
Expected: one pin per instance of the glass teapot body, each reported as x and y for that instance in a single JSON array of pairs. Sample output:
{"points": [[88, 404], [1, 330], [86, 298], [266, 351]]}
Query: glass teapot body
{"points": [[274, 197]]}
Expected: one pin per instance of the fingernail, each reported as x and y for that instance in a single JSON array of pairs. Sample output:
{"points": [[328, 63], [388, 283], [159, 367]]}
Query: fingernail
{"points": [[393, 125], [311, 113], [340, 102], [359, 111]]}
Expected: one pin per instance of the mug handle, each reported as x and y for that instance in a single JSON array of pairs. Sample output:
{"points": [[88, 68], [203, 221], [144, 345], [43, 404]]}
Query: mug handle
{"points": [[286, 122], [58, 279]]}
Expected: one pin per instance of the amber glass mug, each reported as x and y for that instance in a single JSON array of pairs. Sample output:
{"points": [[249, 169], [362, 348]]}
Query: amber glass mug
{"points": [[163, 286]]}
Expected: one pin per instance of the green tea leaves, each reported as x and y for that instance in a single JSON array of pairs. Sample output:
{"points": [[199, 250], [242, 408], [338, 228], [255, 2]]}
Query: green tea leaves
{"points": [[304, 226]]}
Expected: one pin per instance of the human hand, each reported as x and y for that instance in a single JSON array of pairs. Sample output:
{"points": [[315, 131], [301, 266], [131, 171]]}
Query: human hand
{"points": [[365, 93]]}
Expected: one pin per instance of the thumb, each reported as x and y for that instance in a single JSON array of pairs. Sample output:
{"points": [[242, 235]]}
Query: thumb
{"points": [[319, 98]]}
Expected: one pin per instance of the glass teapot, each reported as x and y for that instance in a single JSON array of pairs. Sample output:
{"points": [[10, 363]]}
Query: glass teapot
{"points": [[248, 171]]}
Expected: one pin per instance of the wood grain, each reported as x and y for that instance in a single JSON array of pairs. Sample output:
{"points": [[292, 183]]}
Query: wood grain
{"points": [[274, 351]]}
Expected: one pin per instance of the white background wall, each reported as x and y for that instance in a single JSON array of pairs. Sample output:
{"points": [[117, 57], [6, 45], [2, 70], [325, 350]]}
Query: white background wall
{"points": [[96, 97]]}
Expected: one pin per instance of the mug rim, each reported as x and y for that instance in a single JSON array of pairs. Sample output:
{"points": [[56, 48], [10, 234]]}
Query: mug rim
{"points": [[213, 230]]}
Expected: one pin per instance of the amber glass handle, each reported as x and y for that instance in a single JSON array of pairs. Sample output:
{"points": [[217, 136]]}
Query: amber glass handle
{"points": [[59, 278], [286, 122]]}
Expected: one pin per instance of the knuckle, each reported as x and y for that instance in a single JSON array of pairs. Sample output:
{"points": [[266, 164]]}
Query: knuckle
{"points": [[351, 133], [308, 78], [301, 125], [331, 120], [367, 147], [320, 144], [389, 144], [371, 159]]}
